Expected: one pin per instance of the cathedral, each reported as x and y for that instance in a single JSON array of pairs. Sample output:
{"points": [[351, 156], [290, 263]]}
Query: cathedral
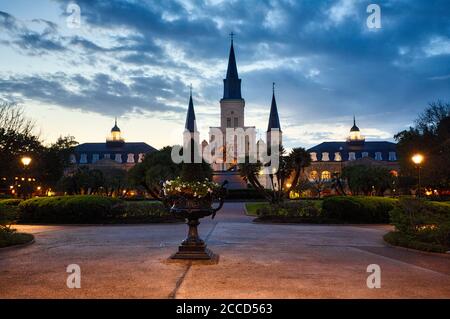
{"points": [[232, 119]]}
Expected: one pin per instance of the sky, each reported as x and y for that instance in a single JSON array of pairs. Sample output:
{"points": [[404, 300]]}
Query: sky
{"points": [[135, 60]]}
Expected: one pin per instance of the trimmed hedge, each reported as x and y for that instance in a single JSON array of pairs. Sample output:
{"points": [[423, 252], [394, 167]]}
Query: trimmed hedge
{"points": [[83, 209], [306, 211], [69, 209], [10, 202], [397, 238], [358, 209], [422, 221]]}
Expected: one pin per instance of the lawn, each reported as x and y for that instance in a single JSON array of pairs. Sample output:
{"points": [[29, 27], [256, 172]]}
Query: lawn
{"points": [[253, 207]]}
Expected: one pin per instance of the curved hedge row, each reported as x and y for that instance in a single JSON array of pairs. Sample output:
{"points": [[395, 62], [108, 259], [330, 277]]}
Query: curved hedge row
{"points": [[358, 209]]}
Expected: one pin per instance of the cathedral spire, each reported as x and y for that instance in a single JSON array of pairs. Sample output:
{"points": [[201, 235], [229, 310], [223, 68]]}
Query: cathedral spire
{"points": [[274, 120], [190, 125], [232, 83]]}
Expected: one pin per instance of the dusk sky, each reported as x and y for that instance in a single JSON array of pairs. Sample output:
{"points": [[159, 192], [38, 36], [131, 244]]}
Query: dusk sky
{"points": [[135, 60]]}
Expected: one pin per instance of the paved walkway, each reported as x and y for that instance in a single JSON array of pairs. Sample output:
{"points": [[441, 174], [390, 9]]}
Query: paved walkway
{"points": [[256, 260]]}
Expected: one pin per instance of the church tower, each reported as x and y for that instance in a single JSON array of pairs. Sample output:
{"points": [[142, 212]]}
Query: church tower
{"points": [[191, 135], [232, 104], [274, 127]]}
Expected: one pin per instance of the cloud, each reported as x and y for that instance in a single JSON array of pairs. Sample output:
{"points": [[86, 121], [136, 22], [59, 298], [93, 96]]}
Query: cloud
{"points": [[131, 55]]}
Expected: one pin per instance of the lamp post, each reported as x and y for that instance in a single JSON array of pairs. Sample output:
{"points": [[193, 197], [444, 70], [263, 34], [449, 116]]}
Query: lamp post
{"points": [[418, 159], [26, 160]]}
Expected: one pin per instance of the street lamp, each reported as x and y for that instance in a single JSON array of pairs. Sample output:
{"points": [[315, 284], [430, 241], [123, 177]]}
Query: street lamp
{"points": [[25, 160], [418, 159]]}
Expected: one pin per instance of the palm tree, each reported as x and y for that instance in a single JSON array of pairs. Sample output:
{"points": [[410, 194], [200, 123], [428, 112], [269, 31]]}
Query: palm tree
{"points": [[298, 159]]}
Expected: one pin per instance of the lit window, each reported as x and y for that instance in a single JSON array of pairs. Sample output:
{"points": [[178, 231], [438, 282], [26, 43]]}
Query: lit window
{"points": [[392, 156], [73, 159], [83, 159], [141, 157], [326, 175], [313, 156], [130, 158], [313, 175], [337, 157], [325, 157], [118, 158], [365, 154], [95, 158], [351, 156], [378, 156]]}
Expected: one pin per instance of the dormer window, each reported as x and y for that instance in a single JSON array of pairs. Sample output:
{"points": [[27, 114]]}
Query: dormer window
{"points": [[107, 156], [83, 159], [365, 154], [378, 156], [351, 156], [141, 157], [313, 156], [337, 157], [392, 156], [95, 158], [118, 158], [325, 157], [73, 159], [130, 158]]}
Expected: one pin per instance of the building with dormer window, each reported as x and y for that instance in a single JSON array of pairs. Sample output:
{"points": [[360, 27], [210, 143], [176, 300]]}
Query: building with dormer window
{"points": [[115, 152], [330, 157]]}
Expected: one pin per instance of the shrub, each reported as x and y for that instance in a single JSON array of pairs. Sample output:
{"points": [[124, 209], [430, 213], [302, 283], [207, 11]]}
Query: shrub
{"points": [[8, 213], [69, 209], [358, 209], [303, 210], [424, 221]]}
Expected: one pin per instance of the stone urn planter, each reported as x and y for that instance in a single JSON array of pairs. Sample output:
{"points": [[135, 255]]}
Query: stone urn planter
{"points": [[181, 202]]}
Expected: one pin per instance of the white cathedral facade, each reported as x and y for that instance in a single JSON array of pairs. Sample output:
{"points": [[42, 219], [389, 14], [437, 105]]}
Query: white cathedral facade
{"points": [[232, 118]]}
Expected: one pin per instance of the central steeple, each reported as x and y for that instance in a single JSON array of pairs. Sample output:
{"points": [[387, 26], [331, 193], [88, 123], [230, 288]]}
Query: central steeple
{"points": [[232, 83]]}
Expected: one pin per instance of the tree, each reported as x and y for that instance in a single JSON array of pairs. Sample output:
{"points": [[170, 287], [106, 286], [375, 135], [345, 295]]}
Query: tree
{"points": [[364, 179], [156, 167], [16, 139], [290, 165], [55, 159], [429, 136]]}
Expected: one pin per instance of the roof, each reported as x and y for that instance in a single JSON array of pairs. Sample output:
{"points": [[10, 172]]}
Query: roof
{"points": [[128, 147], [344, 148], [274, 120], [354, 127], [190, 117], [232, 83], [115, 127]]}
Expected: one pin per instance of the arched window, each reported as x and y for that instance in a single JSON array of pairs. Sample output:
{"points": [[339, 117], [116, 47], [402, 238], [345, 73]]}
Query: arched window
{"points": [[325, 157], [118, 158], [130, 158], [313, 156], [313, 175], [326, 175]]}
